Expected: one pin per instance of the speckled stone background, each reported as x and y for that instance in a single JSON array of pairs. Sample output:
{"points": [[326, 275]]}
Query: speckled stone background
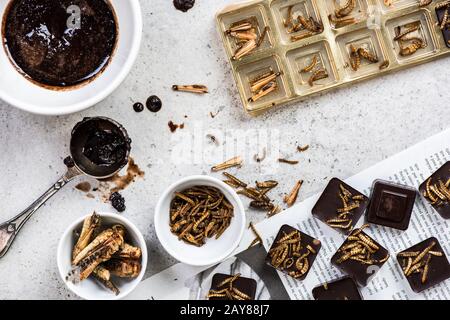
{"points": [[348, 130]]}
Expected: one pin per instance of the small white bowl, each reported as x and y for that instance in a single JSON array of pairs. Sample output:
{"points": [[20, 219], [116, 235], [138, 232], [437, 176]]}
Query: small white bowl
{"points": [[214, 250], [89, 289], [16, 90]]}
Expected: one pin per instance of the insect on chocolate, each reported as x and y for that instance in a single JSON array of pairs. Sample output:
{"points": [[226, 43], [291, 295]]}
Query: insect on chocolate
{"points": [[436, 190], [313, 46], [293, 252], [232, 287]]}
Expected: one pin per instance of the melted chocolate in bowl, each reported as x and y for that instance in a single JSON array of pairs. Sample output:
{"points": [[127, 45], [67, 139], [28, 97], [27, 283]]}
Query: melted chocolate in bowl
{"points": [[47, 46]]}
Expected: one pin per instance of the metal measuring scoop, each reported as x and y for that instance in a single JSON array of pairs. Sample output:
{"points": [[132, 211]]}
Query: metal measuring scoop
{"points": [[77, 165]]}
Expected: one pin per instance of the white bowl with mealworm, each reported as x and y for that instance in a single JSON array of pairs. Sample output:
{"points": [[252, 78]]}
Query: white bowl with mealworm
{"points": [[102, 257], [199, 220]]}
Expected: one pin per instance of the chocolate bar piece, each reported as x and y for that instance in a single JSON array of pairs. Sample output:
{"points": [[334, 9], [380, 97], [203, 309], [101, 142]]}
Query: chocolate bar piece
{"points": [[341, 289], [360, 256], [436, 189], [293, 252], [391, 204], [440, 12], [232, 287], [340, 206], [424, 264]]}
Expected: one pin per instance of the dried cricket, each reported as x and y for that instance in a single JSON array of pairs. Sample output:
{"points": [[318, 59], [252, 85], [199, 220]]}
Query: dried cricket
{"points": [[123, 268], [233, 162], [346, 9], [384, 65], [424, 3], [341, 22], [198, 213], [227, 290], [195, 88], [268, 88], [317, 75], [91, 256], [292, 197], [311, 65], [263, 80], [367, 55]]}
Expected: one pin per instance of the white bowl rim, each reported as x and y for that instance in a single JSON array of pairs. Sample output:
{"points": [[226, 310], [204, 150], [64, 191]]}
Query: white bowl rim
{"points": [[120, 219], [199, 178], [110, 88]]}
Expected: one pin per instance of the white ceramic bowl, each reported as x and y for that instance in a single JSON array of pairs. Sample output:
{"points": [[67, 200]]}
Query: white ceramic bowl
{"points": [[16, 90], [89, 289], [214, 250]]}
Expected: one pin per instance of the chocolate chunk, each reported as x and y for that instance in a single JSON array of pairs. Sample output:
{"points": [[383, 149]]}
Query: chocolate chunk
{"points": [[330, 208], [341, 289], [360, 257], [424, 264], [436, 190], [247, 286], [391, 204], [153, 103], [183, 5], [293, 252], [446, 31], [117, 201], [138, 107]]}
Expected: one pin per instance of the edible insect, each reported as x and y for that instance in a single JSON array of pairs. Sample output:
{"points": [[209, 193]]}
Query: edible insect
{"points": [[259, 83], [256, 233], [123, 268], [233, 162], [288, 20], [384, 65], [259, 158], [445, 20], [418, 261], [103, 276], [367, 55], [264, 91], [311, 65], [195, 88], [350, 202], [90, 224], [411, 48], [245, 49], [346, 9], [198, 213], [239, 27], [292, 197], [317, 75], [355, 58], [226, 289], [237, 181], [287, 161], [244, 35], [303, 148], [400, 35]]}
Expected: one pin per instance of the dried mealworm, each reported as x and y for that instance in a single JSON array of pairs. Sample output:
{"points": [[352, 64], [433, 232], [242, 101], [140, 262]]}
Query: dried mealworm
{"points": [[237, 181], [282, 160], [317, 75], [298, 37], [195, 88], [303, 148], [245, 26], [268, 88], [233, 162], [399, 36], [292, 197], [384, 65], [346, 9], [311, 65]]}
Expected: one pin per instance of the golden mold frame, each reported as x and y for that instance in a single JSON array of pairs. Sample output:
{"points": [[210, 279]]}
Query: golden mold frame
{"points": [[371, 26]]}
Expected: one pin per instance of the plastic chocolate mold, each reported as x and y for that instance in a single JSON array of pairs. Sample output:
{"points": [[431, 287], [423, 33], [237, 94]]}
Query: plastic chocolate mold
{"points": [[369, 25]]}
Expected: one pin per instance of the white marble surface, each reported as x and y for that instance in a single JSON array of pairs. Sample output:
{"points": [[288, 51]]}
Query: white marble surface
{"points": [[348, 130]]}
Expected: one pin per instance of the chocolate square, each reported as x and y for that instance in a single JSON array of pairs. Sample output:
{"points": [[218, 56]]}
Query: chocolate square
{"points": [[244, 285], [446, 31], [292, 257], [438, 269], [441, 202], [352, 265], [330, 202], [341, 289], [391, 204]]}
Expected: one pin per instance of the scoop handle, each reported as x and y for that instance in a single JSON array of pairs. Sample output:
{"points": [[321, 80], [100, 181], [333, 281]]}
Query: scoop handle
{"points": [[10, 228]]}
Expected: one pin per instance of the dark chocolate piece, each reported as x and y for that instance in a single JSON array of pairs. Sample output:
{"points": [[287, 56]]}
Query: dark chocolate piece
{"points": [[153, 103], [424, 264], [47, 44], [436, 189], [232, 287], [446, 31], [341, 289], [391, 204], [183, 5], [360, 256], [340, 206], [293, 252], [117, 201]]}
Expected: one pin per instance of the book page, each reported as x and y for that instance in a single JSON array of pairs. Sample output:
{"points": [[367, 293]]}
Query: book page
{"points": [[410, 167]]}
